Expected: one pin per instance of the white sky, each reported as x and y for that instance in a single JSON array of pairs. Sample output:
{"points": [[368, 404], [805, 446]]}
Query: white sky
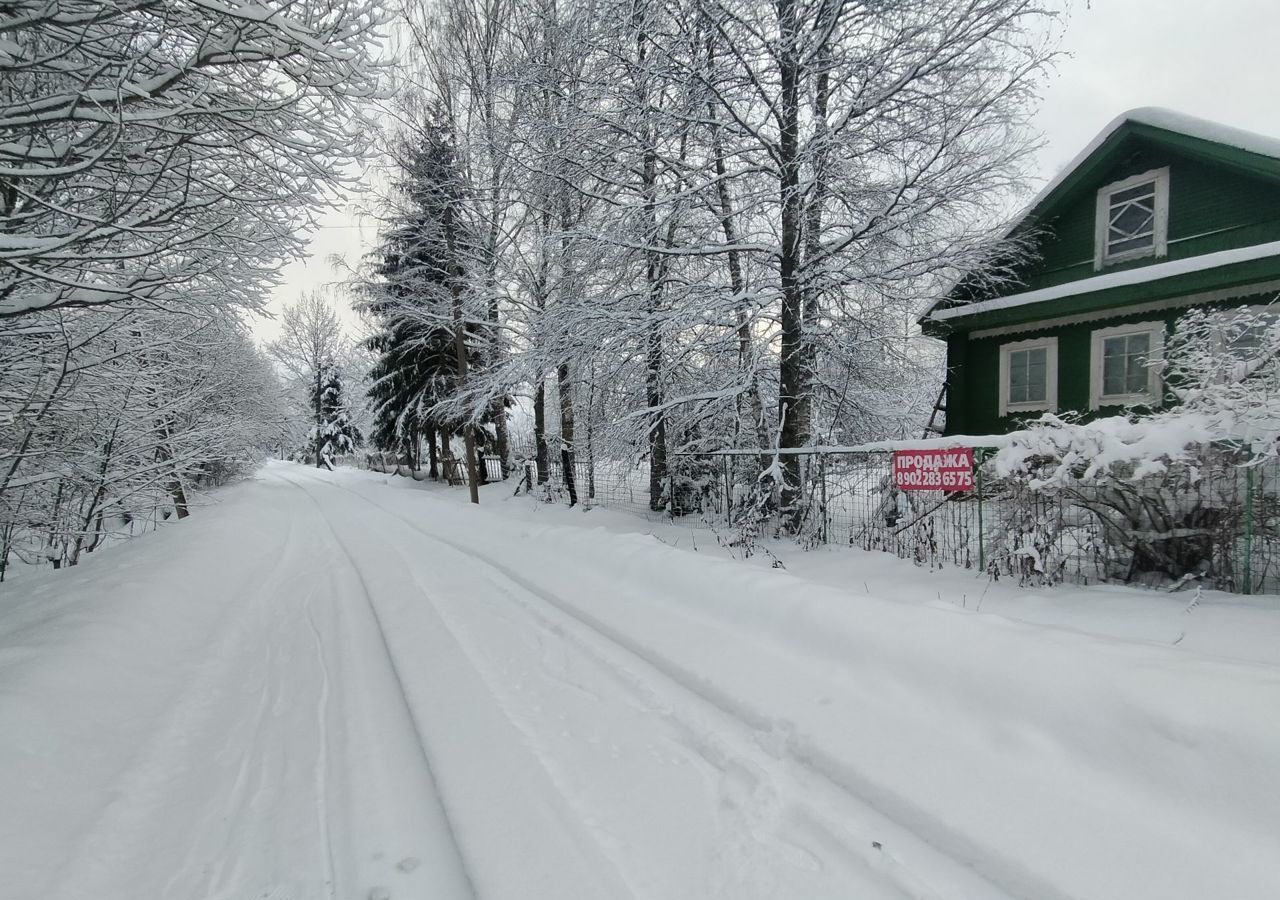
{"points": [[1216, 60]]}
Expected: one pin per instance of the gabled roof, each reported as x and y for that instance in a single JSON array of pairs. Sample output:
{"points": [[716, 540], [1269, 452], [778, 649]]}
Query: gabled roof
{"points": [[1244, 151], [1256, 154]]}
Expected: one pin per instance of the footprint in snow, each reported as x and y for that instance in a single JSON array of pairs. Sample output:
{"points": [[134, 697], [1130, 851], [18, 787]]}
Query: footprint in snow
{"points": [[379, 893], [408, 864]]}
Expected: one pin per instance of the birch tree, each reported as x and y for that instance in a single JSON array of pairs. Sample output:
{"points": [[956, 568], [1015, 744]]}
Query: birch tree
{"points": [[716, 218], [142, 145], [890, 133]]}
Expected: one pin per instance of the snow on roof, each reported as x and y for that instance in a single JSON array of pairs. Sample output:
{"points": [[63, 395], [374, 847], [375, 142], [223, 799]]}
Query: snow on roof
{"points": [[1155, 117], [1126, 278], [1169, 120]]}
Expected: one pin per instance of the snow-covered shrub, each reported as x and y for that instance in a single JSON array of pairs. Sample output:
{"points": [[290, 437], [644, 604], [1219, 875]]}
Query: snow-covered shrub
{"points": [[696, 485], [755, 509], [1164, 487]]}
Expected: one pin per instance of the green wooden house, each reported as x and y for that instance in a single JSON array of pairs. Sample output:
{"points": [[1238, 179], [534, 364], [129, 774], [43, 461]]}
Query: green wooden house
{"points": [[1159, 213]]}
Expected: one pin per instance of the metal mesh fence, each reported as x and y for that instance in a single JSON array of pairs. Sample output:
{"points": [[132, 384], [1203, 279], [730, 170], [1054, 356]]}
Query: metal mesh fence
{"points": [[1216, 523]]}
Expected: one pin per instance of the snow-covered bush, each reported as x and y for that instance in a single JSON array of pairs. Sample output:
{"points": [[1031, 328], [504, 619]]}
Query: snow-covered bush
{"points": [[1165, 486]]}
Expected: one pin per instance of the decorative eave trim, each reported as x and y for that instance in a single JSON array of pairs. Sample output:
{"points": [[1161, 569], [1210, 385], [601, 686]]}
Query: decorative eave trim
{"points": [[1136, 309]]}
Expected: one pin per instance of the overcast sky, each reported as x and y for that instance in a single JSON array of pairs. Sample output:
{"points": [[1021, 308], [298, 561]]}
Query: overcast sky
{"points": [[1217, 60]]}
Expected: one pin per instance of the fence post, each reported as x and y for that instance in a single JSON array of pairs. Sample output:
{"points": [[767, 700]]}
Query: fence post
{"points": [[1248, 528], [978, 455], [671, 492], [822, 481], [728, 491]]}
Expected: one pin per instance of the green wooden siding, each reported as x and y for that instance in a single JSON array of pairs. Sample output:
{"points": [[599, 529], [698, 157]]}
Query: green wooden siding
{"points": [[1210, 209], [973, 378], [1240, 275], [1220, 198]]}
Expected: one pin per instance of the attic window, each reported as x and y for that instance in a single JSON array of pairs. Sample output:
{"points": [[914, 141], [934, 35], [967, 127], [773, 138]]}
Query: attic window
{"points": [[1133, 218]]}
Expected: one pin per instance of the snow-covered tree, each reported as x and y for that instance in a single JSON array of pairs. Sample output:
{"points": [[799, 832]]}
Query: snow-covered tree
{"points": [[172, 153], [431, 322], [158, 163], [112, 417], [334, 434], [311, 341], [708, 224]]}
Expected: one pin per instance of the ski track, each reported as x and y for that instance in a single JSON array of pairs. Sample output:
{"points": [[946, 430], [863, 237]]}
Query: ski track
{"points": [[322, 759], [402, 700], [758, 775]]}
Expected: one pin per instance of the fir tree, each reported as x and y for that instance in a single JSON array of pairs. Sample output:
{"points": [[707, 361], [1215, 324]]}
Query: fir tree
{"points": [[416, 372], [334, 434]]}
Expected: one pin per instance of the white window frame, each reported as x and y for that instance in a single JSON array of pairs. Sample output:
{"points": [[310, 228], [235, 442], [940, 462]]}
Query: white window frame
{"points": [[1050, 402], [1160, 225], [1218, 316], [1153, 395]]}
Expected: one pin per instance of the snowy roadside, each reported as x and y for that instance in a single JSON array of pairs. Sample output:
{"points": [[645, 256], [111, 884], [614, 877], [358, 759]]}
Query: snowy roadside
{"points": [[1231, 626]]}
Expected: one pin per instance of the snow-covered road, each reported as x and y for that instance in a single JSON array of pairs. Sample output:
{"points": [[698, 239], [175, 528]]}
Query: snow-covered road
{"points": [[332, 687]]}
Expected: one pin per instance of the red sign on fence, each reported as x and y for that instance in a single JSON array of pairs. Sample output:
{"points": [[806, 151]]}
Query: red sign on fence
{"points": [[934, 470]]}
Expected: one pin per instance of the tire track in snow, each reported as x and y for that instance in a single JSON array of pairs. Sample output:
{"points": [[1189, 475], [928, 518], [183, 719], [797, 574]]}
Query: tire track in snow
{"points": [[402, 698], [571, 867], [749, 776], [466, 650], [322, 759], [967, 875]]}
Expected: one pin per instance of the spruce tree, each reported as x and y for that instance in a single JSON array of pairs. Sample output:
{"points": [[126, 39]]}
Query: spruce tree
{"points": [[409, 298], [334, 434]]}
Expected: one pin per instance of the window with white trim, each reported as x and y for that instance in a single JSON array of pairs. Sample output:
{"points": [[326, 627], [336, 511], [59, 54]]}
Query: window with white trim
{"points": [[1029, 376], [1242, 332], [1239, 339], [1125, 365], [1133, 218]]}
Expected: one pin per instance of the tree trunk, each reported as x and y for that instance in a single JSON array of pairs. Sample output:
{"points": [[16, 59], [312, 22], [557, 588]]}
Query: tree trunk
{"points": [[432, 458], [448, 465], [540, 431], [319, 416], [498, 407], [179, 496], [816, 200], [567, 453], [653, 279], [658, 423], [793, 373], [460, 349], [749, 406], [591, 445]]}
